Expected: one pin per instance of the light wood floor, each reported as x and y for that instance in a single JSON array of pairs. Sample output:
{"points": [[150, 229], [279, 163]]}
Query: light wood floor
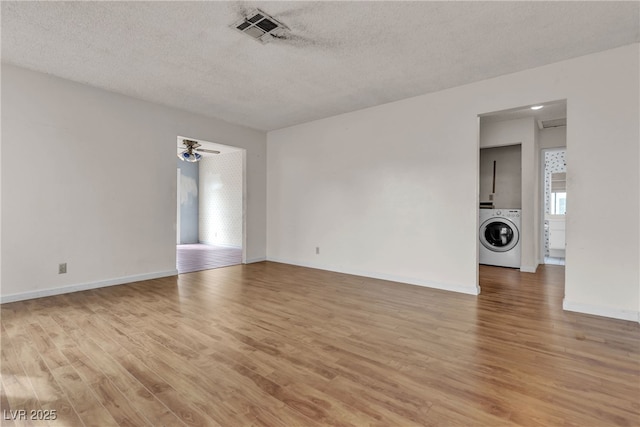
{"points": [[276, 345]]}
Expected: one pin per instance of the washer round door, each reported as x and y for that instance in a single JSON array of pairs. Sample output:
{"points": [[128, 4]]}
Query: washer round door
{"points": [[499, 234]]}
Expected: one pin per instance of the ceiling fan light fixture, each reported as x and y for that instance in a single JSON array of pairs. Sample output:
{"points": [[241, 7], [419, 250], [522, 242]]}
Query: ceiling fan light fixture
{"points": [[189, 156], [192, 151], [194, 157]]}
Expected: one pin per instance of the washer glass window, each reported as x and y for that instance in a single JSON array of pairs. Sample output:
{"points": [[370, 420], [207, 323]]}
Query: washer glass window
{"points": [[498, 235]]}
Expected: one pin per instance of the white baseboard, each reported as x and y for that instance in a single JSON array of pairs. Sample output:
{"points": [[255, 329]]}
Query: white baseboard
{"points": [[614, 313], [252, 260], [528, 268], [465, 289], [85, 286]]}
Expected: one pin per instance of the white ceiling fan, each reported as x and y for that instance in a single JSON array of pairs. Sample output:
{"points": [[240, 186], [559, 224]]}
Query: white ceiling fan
{"points": [[191, 153]]}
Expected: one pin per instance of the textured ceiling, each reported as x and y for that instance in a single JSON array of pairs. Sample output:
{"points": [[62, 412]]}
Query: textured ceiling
{"points": [[342, 56]]}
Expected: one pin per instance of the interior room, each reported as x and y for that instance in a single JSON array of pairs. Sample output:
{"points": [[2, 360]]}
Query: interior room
{"points": [[348, 165], [210, 199]]}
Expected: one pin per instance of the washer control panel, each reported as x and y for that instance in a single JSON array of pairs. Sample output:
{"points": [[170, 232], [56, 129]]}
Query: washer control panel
{"points": [[508, 213]]}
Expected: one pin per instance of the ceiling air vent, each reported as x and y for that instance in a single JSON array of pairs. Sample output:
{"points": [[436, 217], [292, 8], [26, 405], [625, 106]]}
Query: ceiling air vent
{"points": [[260, 26], [545, 124]]}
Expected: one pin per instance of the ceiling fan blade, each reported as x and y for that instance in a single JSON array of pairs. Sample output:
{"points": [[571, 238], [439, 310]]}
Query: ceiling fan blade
{"points": [[204, 150]]}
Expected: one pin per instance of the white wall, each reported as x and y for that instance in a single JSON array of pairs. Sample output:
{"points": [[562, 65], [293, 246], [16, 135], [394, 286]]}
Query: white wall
{"points": [[89, 178], [508, 176], [188, 201], [603, 266], [378, 191], [220, 209], [538, 195], [391, 191], [553, 137]]}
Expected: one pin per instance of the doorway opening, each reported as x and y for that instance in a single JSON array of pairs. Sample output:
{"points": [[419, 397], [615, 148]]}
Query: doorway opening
{"points": [[554, 174], [538, 129], [210, 217]]}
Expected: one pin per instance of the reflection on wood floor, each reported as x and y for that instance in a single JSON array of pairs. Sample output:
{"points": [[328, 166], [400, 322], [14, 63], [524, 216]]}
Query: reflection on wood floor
{"points": [[271, 344], [196, 257]]}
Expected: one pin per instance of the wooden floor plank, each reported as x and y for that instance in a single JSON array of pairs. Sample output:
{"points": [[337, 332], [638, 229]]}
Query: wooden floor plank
{"points": [[270, 344], [85, 404]]}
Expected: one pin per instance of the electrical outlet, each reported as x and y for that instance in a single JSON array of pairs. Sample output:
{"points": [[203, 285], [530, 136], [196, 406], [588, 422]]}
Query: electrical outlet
{"points": [[62, 268], [317, 250]]}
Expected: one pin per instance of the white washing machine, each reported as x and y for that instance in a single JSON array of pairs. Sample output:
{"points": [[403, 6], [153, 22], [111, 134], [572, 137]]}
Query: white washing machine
{"points": [[500, 237]]}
